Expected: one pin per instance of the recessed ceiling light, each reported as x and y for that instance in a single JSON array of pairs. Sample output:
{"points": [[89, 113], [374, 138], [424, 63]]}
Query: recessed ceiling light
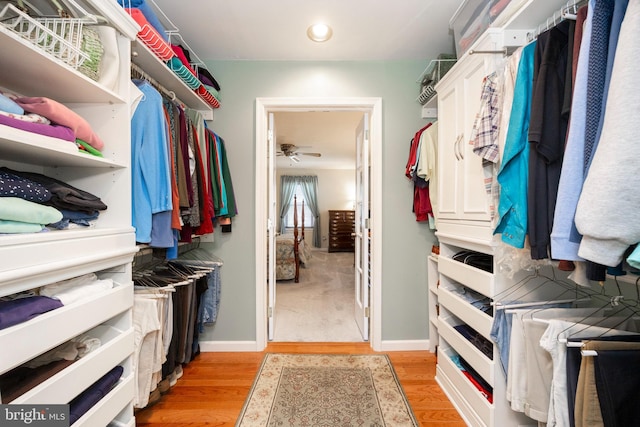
{"points": [[319, 32]]}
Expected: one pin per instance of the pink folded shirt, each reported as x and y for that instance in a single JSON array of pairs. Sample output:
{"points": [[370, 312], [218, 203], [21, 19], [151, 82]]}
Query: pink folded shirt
{"points": [[62, 115]]}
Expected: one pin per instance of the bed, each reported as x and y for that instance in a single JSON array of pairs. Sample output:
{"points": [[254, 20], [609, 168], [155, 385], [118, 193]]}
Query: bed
{"points": [[292, 251]]}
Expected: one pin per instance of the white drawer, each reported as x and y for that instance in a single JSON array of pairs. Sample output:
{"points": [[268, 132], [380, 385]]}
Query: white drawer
{"points": [[69, 253], [472, 316], [67, 384], [110, 406], [481, 363], [477, 410], [50, 329], [474, 278]]}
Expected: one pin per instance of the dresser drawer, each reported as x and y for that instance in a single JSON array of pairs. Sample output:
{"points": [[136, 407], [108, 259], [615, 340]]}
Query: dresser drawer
{"points": [[341, 228]]}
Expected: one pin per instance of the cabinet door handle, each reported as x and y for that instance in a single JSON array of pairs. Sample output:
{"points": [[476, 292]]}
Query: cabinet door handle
{"points": [[456, 149]]}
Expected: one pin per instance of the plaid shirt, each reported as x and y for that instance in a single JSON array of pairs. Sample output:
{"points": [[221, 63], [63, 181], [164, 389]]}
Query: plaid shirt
{"points": [[484, 136]]}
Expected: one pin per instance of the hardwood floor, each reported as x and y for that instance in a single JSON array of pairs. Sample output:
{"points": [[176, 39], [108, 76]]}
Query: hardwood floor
{"points": [[214, 386]]}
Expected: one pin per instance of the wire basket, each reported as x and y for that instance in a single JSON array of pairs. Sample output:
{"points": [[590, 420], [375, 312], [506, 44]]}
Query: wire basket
{"points": [[60, 37], [427, 93], [184, 73], [150, 37], [208, 97], [432, 75]]}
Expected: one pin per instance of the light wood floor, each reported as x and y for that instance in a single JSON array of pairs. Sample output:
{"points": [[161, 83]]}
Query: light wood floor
{"points": [[214, 386]]}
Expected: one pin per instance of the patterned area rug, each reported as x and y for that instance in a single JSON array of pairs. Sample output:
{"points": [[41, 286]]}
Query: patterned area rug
{"points": [[326, 390]]}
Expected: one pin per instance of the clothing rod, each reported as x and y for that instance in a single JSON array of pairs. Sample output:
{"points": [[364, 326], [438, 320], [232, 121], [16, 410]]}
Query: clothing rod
{"points": [[502, 51], [568, 11], [143, 75], [499, 305], [588, 353]]}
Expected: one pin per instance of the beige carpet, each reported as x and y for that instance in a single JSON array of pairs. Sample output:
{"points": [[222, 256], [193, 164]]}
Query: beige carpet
{"points": [[326, 390], [320, 308]]}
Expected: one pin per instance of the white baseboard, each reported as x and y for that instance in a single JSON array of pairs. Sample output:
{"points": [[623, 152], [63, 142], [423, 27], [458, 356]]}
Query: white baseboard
{"points": [[249, 346], [233, 346], [404, 345]]}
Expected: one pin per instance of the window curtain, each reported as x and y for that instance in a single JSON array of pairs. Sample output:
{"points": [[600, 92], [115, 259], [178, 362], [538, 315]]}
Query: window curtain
{"points": [[309, 186], [287, 188]]}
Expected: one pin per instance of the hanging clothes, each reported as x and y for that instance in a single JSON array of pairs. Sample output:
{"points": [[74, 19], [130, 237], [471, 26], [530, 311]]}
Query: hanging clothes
{"points": [[150, 175], [547, 134], [609, 219], [570, 184], [514, 169], [422, 204], [427, 165], [484, 136], [232, 209]]}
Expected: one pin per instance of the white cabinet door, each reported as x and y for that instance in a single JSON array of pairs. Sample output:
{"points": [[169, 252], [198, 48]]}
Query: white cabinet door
{"points": [[461, 194], [473, 203], [449, 133]]}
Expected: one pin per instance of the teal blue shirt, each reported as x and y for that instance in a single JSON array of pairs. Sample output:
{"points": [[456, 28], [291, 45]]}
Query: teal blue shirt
{"points": [[514, 170]]}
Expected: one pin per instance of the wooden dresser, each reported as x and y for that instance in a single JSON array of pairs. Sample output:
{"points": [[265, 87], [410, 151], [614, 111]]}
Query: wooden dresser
{"points": [[341, 227]]}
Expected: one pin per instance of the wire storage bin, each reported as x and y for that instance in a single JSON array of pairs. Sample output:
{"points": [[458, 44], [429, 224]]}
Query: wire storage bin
{"points": [[432, 75], [60, 36], [150, 37]]}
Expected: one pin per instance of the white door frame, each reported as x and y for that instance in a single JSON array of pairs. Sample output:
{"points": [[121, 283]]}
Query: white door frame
{"points": [[267, 105]]}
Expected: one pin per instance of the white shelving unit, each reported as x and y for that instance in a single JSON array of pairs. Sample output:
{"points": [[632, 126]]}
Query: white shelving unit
{"points": [[434, 281], [464, 222], [33, 260], [475, 408]]}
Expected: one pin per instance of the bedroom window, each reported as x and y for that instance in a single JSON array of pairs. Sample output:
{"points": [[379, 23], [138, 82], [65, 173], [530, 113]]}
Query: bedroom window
{"points": [[308, 215]]}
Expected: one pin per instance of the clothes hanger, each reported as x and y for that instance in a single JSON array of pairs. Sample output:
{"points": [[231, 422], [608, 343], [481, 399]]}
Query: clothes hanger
{"points": [[185, 271], [613, 301], [157, 275], [536, 305], [635, 305], [584, 294], [514, 288], [204, 257]]}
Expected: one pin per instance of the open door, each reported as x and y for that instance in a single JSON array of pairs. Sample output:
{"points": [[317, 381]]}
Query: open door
{"points": [[271, 228], [362, 232]]}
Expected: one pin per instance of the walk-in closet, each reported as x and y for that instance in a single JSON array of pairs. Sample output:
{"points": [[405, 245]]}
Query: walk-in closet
{"points": [[502, 272]]}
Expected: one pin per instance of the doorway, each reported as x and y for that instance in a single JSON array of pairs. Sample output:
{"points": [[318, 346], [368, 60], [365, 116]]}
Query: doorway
{"points": [[316, 147], [264, 185]]}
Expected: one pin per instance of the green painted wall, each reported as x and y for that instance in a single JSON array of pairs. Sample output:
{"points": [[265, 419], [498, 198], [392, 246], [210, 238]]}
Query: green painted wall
{"points": [[406, 243]]}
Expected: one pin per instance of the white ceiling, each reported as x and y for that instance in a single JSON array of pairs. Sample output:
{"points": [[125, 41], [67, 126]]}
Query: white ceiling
{"points": [[276, 29], [375, 30]]}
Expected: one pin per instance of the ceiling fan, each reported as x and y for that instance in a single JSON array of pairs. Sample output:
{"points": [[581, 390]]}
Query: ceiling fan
{"points": [[291, 151]]}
